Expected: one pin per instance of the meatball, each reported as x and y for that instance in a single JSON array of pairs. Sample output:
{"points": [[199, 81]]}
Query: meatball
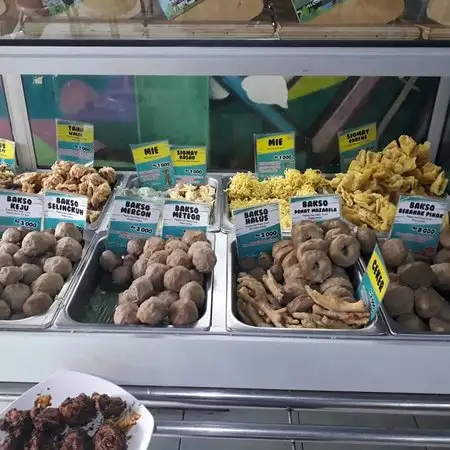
{"points": [[10, 275], [37, 303], [191, 236], [38, 243], [159, 256], [194, 292], [69, 248], [12, 235], [183, 312], [17, 423], [135, 247], [78, 411], [6, 259], [41, 440], [197, 276], [50, 283], [155, 272], [129, 260], [203, 257], [125, 314], [179, 258], [121, 275], [153, 311], [19, 258], [110, 407], [394, 252], [140, 289], [109, 436], [49, 419], [64, 229], [5, 310], [58, 264], [168, 296], [176, 277], [153, 245], [9, 248], [76, 440], [139, 267], [16, 295], [109, 260], [175, 244], [30, 272]]}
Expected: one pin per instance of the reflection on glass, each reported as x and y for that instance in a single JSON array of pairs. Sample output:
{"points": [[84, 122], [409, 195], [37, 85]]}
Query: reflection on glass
{"points": [[5, 124]]}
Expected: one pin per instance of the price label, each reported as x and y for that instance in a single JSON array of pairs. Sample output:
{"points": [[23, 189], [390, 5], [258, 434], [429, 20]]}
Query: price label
{"points": [[154, 165], [20, 210], [317, 208], [75, 141], [132, 218], [274, 154], [179, 216], [8, 153], [418, 223], [352, 141], [64, 207], [374, 283], [189, 164], [257, 229]]}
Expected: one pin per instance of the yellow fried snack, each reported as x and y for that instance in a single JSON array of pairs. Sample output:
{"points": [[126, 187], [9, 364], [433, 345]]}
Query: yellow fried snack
{"points": [[246, 190], [374, 182]]}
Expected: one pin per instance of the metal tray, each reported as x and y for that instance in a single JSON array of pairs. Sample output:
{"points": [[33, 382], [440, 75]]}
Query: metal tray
{"points": [[215, 181], [73, 315], [46, 319], [376, 328]]}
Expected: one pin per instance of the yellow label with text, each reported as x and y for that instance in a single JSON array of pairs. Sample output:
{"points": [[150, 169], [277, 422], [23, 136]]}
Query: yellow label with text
{"points": [[79, 134], [189, 156], [7, 149], [151, 152], [275, 143], [378, 275], [358, 137]]}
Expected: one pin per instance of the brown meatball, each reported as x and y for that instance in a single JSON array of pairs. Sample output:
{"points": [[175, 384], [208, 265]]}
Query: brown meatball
{"points": [[428, 303], [140, 289], [183, 312], [394, 252], [109, 260], [12, 235], [153, 311], [135, 247], [5, 310], [179, 258], [69, 248], [9, 248], [19, 258], [191, 236], [315, 266], [168, 296], [58, 264], [125, 314], [332, 224], [399, 300], [155, 272], [78, 411], [175, 278], [121, 275], [37, 303], [153, 245], [159, 256], [411, 322], [110, 407], [175, 244], [109, 436], [442, 274], [64, 229], [129, 260], [416, 274], [442, 256], [139, 267], [50, 283], [76, 439], [344, 250], [6, 260], [194, 292], [10, 275], [203, 258], [16, 295], [367, 240], [38, 243], [197, 276]]}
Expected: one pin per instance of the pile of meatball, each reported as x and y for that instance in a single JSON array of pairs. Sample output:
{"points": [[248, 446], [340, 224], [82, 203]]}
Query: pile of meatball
{"points": [[168, 284], [34, 266], [417, 294], [64, 428]]}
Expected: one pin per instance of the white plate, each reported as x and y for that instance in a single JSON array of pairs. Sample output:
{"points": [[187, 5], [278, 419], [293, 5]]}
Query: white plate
{"points": [[70, 384]]}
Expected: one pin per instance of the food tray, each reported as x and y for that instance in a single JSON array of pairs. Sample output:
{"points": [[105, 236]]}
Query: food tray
{"points": [[215, 217], [45, 320], [81, 312], [68, 383], [376, 328]]}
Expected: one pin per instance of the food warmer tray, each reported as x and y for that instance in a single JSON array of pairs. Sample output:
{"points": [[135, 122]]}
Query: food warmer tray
{"points": [[79, 309], [376, 328], [215, 223]]}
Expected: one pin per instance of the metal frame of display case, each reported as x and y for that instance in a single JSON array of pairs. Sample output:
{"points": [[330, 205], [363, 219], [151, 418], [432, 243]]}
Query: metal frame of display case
{"points": [[218, 368]]}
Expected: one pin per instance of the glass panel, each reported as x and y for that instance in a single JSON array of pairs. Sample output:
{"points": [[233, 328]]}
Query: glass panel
{"points": [[380, 20], [224, 113], [5, 123]]}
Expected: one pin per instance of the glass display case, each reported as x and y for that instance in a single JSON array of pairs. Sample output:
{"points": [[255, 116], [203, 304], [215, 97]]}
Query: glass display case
{"points": [[214, 74]]}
